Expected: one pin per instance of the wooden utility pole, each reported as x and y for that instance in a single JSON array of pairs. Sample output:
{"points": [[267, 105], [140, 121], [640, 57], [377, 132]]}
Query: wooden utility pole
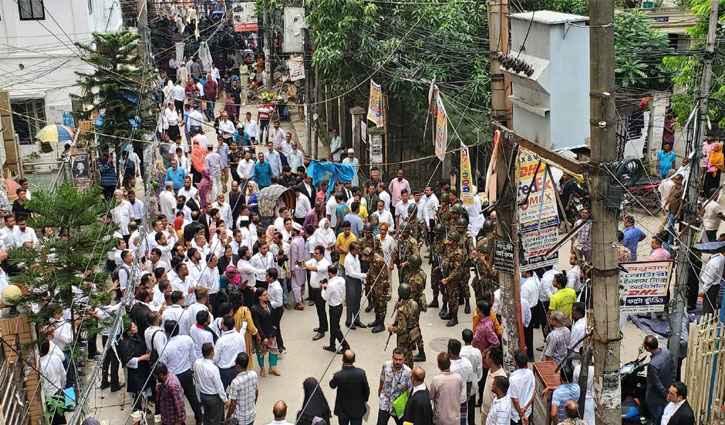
{"points": [[605, 271], [507, 224], [693, 184]]}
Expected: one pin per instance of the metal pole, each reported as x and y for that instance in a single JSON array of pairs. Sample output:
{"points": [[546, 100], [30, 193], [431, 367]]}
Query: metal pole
{"points": [[689, 208], [605, 271]]}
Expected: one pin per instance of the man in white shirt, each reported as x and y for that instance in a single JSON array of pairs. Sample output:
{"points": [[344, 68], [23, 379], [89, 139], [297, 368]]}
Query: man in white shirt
{"points": [[200, 333], [179, 356], [154, 335], [122, 213], [225, 210], [188, 191], [275, 162], [384, 196], [401, 209], [677, 405], [335, 146], [353, 286], [330, 208], [277, 136], [521, 388], [188, 319], [245, 168], [333, 292], [136, 205], [250, 128], [52, 377], [176, 309], [23, 234], [229, 344], [227, 128], [384, 215], [463, 367], [473, 355], [276, 295], [208, 382], [317, 265], [501, 411], [280, 414], [302, 206], [351, 160], [262, 261], [296, 157], [167, 201], [711, 218], [578, 329]]}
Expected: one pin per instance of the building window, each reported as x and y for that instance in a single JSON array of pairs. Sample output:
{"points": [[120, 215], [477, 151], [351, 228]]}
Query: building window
{"points": [[28, 119], [31, 10]]}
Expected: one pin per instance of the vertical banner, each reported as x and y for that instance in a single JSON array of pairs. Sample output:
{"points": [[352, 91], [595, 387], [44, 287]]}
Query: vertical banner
{"points": [[466, 185], [375, 104], [376, 149], [179, 52], [441, 125], [537, 211]]}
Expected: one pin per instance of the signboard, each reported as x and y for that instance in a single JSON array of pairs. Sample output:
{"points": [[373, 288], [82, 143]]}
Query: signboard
{"points": [[68, 119], [643, 288], [294, 24], [81, 170], [245, 18], [441, 125], [537, 212], [503, 256], [296, 67], [375, 104], [376, 148], [364, 131], [466, 184]]}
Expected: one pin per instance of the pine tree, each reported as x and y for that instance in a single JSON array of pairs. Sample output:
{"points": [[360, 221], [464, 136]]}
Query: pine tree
{"points": [[68, 265]]}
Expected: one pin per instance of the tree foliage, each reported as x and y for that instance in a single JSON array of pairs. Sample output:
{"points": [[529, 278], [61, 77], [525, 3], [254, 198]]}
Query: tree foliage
{"points": [[53, 271], [119, 81], [638, 49], [687, 70]]}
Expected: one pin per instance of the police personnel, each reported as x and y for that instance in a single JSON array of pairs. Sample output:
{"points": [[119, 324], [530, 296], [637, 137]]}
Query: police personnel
{"points": [[377, 279], [417, 282], [484, 262], [437, 249], [452, 266], [406, 247], [367, 241], [466, 245], [406, 325]]}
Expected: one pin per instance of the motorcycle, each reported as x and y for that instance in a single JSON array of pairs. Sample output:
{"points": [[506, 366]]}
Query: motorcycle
{"points": [[642, 190], [634, 390]]}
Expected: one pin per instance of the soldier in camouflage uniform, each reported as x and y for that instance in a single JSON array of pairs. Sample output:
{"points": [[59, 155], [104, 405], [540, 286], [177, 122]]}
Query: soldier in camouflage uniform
{"points": [[484, 262], [417, 227], [377, 279], [443, 215], [453, 271], [406, 323], [417, 282], [406, 247], [367, 241], [437, 250], [466, 245], [457, 211]]}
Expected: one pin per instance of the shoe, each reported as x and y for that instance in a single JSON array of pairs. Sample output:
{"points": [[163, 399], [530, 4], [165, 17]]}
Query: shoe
{"points": [[316, 330], [420, 357], [378, 328], [444, 310], [360, 325], [287, 306], [274, 371], [434, 303], [348, 324], [329, 348], [369, 308], [282, 351], [460, 301], [452, 322], [540, 348], [262, 372], [352, 327], [467, 310], [318, 335], [311, 303], [115, 388], [446, 316], [299, 306], [105, 385]]}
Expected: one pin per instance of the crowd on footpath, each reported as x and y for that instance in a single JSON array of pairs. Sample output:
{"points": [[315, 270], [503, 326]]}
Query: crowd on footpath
{"points": [[213, 277]]}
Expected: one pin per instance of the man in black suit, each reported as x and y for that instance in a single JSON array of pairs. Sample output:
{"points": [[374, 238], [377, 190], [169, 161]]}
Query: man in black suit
{"points": [[352, 391], [678, 410], [307, 189], [141, 309], [418, 411]]}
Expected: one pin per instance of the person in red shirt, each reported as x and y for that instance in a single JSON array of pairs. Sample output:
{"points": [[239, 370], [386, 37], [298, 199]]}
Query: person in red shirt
{"points": [[171, 396], [264, 113], [210, 94]]}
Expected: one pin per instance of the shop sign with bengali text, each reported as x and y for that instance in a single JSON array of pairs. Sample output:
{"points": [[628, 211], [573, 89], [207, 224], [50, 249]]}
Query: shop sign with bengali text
{"points": [[643, 287]]}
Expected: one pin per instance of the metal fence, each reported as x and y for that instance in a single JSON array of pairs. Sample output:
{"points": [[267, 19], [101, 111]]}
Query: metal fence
{"points": [[13, 394]]}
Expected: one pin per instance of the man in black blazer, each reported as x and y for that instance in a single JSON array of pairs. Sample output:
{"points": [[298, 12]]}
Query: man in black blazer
{"points": [[352, 391], [141, 309], [307, 189], [418, 411], [678, 410]]}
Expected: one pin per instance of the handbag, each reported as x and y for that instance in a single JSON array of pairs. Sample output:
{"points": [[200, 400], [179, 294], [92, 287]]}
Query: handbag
{"points": [[399, 404]]}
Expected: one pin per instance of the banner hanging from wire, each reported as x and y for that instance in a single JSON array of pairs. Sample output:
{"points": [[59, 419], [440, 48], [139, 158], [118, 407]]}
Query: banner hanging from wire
{"points": [[466, 184], [441, 126], [375, 104]]}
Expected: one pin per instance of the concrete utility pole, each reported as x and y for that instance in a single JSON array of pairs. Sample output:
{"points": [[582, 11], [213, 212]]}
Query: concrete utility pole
{"points": [[506, 207], [266, 22], [693, 184], [605, 271]]}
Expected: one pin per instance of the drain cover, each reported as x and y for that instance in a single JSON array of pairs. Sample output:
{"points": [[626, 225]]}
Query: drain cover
{"points": [[439, 345]]}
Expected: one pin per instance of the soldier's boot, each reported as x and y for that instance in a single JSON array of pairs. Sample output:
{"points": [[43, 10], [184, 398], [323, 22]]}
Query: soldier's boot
{"points": [[453, 320], [373, 323], [444, 311], [467, 310], [460, 299], [420, 357], [369, 307], [379, 326], [434, 303]]}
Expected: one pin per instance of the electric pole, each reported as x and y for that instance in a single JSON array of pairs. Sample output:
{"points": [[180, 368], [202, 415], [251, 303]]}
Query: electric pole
{"points": [[605, 271], [506, 206], [693, 184], [266, 22]]}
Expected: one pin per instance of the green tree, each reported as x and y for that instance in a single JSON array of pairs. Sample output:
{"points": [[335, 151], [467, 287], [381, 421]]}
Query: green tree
{"points": [[120, 84], [638, 51], [577, 7], [687, 70], [61, 268]]}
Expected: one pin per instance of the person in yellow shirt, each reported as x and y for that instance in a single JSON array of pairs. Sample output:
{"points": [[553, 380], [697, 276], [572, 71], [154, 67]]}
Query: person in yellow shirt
{"points": [[488, 295], [564, 298], [342, 244]]}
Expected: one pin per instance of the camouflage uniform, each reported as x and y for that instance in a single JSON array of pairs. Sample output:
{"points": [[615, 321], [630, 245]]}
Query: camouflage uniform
{"points": [[417, 286], [405, 248], [366, 242], [453, 272], [418, 232], [444, 215], [466, 246], [406, 321], [379, 290], [437, 256], [487, 280]]}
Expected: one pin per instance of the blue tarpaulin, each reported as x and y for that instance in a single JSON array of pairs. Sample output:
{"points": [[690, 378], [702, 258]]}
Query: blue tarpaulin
{"points": [[342, 172]]}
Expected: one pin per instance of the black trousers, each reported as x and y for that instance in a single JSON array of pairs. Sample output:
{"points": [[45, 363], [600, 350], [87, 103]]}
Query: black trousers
{"points": [[529, 338], [316, 297], [227, 375], [710, 301], [186, 379], [109, 360], [353, 292], [430, 234], [92, 346], [384, 418], [472, 410], [277, 319], [335, 331], [213, 409]]}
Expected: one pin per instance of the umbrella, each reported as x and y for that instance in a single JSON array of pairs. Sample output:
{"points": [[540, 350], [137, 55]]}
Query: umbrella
{"points": [[11, 186], [55, 133]]}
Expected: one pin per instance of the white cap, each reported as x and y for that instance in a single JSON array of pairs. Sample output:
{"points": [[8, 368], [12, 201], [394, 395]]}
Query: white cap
{"points": [[297, 226], [351, 150], [244, 218]]}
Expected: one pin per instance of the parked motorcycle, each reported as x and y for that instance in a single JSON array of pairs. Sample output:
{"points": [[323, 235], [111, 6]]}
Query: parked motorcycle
{"points": [[634, 389], [642, 190]]}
